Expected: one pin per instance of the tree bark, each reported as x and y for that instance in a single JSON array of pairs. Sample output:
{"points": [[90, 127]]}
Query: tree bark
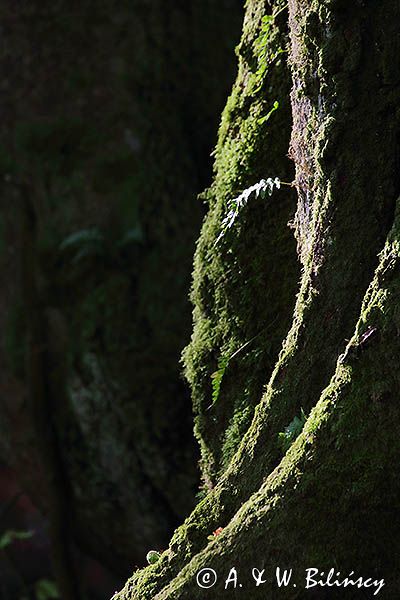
{"points": [[244, 284], [328, 500]]}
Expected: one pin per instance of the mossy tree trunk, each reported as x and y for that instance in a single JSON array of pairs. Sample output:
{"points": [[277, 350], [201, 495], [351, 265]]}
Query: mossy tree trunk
{"points": [[328, 497], [109, 112], [245, 283]]}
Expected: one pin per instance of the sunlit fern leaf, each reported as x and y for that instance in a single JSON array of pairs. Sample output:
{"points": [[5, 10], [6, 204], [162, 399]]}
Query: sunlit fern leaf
{"points": [[262, 188]]}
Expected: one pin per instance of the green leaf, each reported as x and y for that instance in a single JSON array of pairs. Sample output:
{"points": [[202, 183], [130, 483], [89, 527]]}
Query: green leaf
{"points": [[82, 244], [217, 376], [267, 116], [260, 189], [292, 431], [9, 536], [45, 589], [81, 238], [153, 557]]}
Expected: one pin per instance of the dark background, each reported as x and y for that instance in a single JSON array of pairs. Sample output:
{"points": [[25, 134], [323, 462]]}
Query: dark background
{"points": [[109, 113]]}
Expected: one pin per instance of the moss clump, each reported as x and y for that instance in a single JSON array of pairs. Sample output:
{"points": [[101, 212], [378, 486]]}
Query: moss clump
{"points": [[274, 508], [323, 504], [244, 284]]}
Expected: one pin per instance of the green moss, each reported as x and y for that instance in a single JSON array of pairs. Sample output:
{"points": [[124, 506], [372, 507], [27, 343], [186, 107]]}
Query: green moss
{"points": [[266, 502], [243, 287], [336, 471]]}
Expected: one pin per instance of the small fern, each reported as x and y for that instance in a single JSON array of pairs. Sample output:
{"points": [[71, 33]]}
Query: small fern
{"points": [[292, 431], [262, 188], [81, 238], [83, 244]]}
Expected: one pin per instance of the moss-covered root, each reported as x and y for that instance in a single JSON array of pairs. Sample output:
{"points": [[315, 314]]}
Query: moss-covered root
{"points": [[351, 202], [244, 285], [351, 199], [333, 501]]}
